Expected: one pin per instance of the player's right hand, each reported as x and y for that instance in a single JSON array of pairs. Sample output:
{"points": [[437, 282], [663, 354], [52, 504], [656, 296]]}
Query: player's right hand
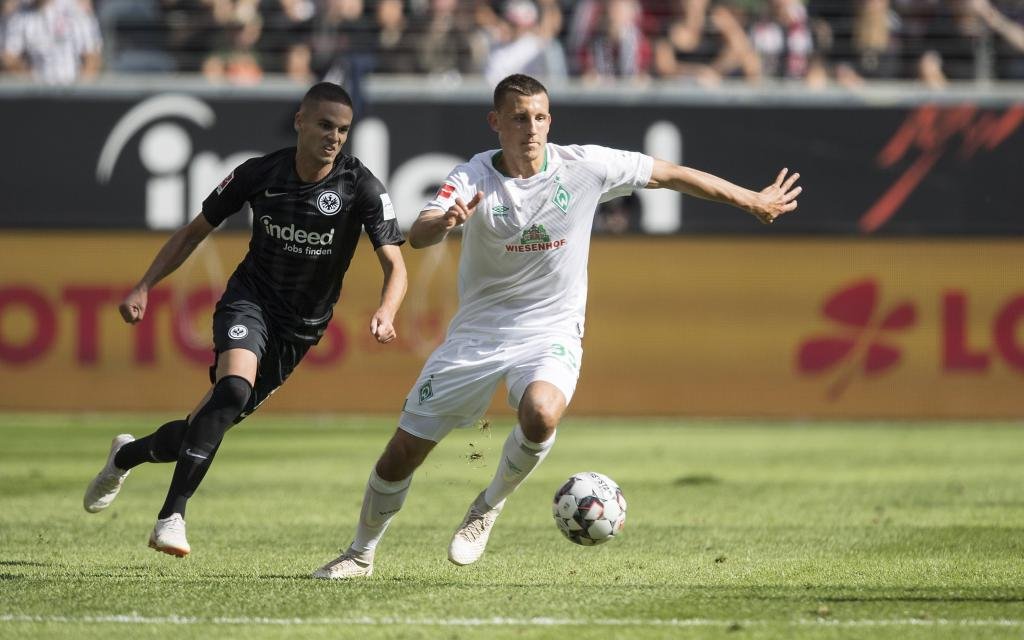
{"points": [[133, 307], [459, 212]]}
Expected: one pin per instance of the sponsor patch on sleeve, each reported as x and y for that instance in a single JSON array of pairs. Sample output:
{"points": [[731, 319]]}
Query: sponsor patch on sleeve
{"points": [[388, 208], [446, 191], [225, 182]]}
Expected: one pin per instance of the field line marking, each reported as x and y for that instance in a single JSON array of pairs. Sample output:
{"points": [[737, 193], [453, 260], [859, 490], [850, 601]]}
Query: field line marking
{"points": [[134, 618]]}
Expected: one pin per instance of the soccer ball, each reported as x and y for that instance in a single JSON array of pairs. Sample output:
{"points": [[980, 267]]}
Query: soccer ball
{"points": [[589, 508]]}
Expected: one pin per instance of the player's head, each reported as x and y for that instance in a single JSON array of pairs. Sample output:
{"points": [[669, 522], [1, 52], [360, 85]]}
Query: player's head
{"points": [[323, 122], [521, 116], [517, 84]]}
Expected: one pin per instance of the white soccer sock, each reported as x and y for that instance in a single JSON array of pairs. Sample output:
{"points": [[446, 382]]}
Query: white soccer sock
{"points": [[381, 503], [519, 457]]}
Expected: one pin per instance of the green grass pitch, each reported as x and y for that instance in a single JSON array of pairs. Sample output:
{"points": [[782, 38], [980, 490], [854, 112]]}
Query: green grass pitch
{"points": [[735, 529]]}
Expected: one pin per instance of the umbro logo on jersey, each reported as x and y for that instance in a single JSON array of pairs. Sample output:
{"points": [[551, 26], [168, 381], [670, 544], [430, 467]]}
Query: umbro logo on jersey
{"points": [[500, 210], [238, 332], [328, 203], [273, 194]]}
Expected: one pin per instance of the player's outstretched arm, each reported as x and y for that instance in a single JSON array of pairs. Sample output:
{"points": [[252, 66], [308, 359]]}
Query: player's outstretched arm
{"points": [[396, 281], [433, 225], [766, 205], [174, 252]]}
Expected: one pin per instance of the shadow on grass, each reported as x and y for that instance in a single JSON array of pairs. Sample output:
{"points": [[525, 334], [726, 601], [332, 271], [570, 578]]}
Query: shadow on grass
{"points": [[696, 480], [23, 563]]}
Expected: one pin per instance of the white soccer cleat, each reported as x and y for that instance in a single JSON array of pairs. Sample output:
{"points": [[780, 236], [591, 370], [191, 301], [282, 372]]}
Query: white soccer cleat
{"points": [[168, 536], [107, 483], [470, 538], [348, 565]]}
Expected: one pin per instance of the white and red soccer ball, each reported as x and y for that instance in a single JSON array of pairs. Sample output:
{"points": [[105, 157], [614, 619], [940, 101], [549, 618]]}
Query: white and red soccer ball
{"points": [[589, 508]]}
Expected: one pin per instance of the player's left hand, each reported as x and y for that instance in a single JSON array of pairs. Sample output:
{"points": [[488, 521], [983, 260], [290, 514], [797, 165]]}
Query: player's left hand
{"points": [[382, 327], [777, 198]]}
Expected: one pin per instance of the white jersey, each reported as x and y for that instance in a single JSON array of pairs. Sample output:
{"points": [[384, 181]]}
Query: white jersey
{"points": [[523, 269]]}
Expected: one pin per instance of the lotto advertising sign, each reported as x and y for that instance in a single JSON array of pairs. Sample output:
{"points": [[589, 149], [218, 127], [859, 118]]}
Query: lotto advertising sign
{"points": [[755, 326], [810, 327]]}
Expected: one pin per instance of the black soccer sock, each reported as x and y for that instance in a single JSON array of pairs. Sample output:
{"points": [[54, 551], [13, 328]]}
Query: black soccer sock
{"points": [[203, 438], [160, 446]]}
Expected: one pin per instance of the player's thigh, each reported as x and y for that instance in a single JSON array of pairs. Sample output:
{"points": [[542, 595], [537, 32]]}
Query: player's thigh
{"points": [[240, 337], [454, 388], [554, 360], [278, 362]]}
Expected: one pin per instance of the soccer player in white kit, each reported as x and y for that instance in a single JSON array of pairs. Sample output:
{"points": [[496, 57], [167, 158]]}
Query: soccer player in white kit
{"points": [[526, 213]]}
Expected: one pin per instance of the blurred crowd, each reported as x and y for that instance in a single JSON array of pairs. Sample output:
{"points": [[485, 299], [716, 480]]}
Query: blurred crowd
{"points": [[817, 42]]}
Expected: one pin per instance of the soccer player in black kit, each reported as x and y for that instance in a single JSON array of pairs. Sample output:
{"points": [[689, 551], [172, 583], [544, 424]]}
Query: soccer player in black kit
{"points": [[309, 204]]}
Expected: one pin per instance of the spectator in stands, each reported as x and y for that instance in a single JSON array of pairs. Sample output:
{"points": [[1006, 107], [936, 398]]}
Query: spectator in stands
{"points": [[343, 43], [284, 45], [708, 45], [234, 57], [525, 41], [395, 47], [298, 63], [620, 49], [584, 22], [872, 49], [938, 40], [929, 70], [138, 29], [56, 41], [1010, 28], [447, 45], [783, 39], [235, 60], [191, 29]]}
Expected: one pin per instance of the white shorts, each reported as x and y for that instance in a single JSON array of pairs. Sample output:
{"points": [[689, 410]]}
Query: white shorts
{"points": [[459, 378]]}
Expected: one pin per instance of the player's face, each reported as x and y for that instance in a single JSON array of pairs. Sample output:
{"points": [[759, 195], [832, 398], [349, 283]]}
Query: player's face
{"points": [[522, 124], [323, 128]]}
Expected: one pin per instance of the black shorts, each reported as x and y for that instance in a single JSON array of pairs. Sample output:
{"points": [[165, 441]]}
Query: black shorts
{"points": [[242, 324]]}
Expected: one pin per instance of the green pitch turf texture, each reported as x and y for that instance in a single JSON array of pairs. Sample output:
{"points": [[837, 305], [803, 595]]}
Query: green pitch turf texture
{"points": [[734, 530]]}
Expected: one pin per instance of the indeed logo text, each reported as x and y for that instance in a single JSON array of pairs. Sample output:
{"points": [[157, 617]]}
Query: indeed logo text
{"points": [[291, 234], [294, 237]]}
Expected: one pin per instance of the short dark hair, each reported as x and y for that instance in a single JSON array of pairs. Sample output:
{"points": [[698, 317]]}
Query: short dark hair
{"points": [[326, 91], [519, 83]]}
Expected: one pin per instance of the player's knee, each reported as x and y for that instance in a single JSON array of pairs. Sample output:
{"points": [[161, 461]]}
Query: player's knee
{"points": [[166, 442], [232, 393], [539, 421], [229, 398]]}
